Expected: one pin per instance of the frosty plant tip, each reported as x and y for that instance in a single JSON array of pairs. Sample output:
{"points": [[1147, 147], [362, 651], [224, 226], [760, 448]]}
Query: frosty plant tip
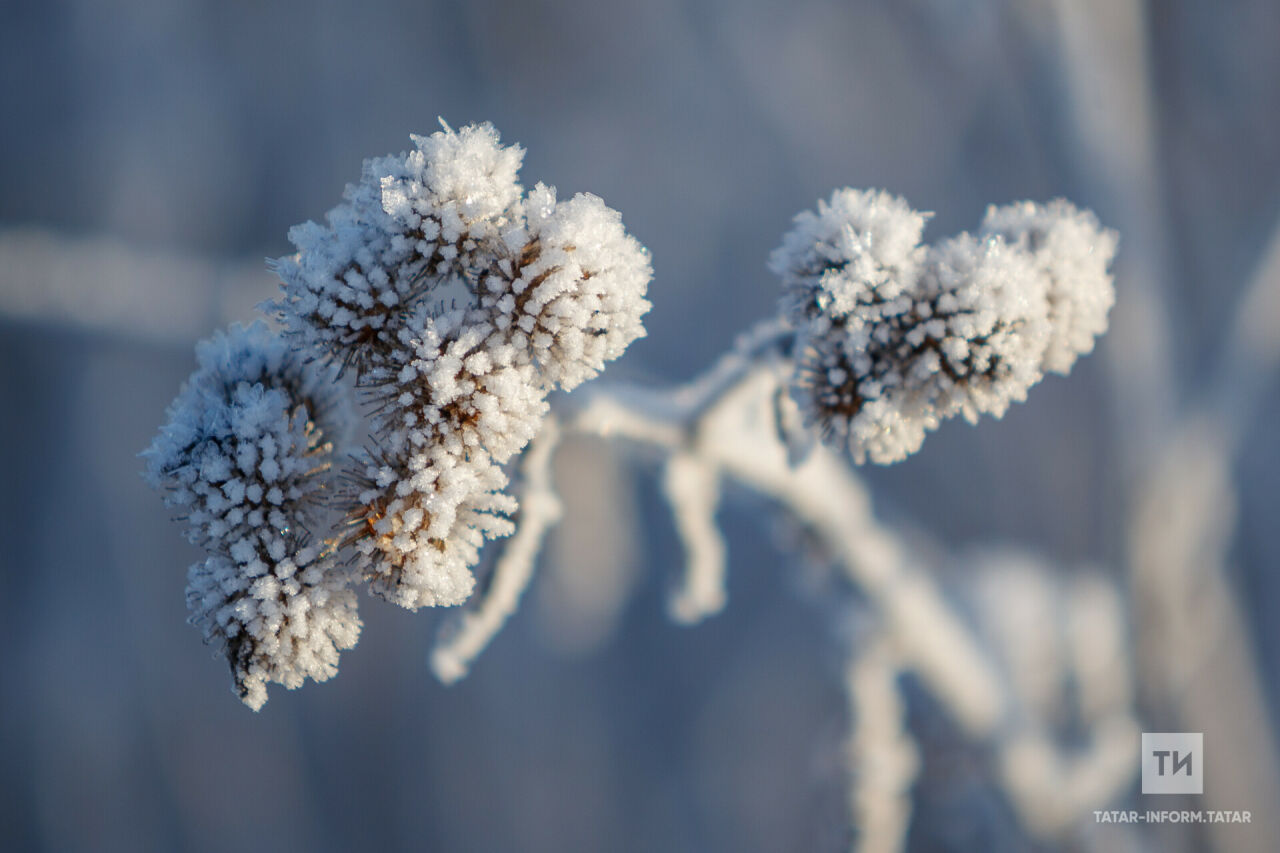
{"points": [[453, 302], [893, 337]]}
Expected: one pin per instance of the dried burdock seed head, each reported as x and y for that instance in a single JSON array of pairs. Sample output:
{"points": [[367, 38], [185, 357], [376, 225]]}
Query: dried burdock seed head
{"points": [[246, 455], [459, 303], [893, 337]]}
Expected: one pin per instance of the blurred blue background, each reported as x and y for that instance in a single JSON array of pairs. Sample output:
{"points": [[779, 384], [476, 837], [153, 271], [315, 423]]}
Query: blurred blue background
{"points": [[155, 152]]}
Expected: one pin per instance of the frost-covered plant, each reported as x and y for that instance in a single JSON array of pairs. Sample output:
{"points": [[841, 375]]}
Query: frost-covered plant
{"points": [[894, 337], [455, 302], [460, 303], [246, 456]]}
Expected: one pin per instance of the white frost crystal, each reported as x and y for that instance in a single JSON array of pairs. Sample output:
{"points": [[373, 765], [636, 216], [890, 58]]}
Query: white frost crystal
{"points": [[893, 337], [550, 292], [244, 455]]}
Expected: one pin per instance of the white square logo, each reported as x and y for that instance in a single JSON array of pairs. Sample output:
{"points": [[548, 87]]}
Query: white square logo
{"points": [[1172, 763]]}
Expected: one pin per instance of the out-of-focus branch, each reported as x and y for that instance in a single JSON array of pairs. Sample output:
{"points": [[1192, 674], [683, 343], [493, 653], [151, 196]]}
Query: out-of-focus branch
{"points": [[1062, 640], [108, 286], [1193, 642], [1196, 663], [1251, 351], [883, 757], [727, 428], [692, 488], [1199, 668], [1104, 59], [738, 437]]}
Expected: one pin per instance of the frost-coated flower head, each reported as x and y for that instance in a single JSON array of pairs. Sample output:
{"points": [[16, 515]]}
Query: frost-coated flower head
{"points": [[248, 438], [278, 620], [412, 223], [893, 337], [853, 255], [579, 294], [460, 303], [245, 455]]}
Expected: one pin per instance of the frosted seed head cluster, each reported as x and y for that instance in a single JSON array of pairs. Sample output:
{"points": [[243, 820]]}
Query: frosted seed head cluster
{"points": [[245, 456], [893, 337], [412, 223], [460, 303], [456, 304]]}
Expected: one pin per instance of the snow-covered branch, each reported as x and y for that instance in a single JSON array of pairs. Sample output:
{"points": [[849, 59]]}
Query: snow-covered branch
{"points": [[824, 494]]}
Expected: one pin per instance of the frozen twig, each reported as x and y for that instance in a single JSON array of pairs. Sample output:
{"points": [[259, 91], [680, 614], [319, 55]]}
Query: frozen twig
{"points": [[1051, 785], [539, 511], [883, 758], [1050, 633], [692, 488], [825, 495]]}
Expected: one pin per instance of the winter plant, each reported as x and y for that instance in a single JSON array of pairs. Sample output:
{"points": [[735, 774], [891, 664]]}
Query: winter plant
{"points": [[448, 304]]}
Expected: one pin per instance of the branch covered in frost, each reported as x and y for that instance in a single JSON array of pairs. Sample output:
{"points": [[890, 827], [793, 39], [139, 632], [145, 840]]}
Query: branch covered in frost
{"points": [[999, 689], [739, 439], [692, 488], [883, 758]]}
